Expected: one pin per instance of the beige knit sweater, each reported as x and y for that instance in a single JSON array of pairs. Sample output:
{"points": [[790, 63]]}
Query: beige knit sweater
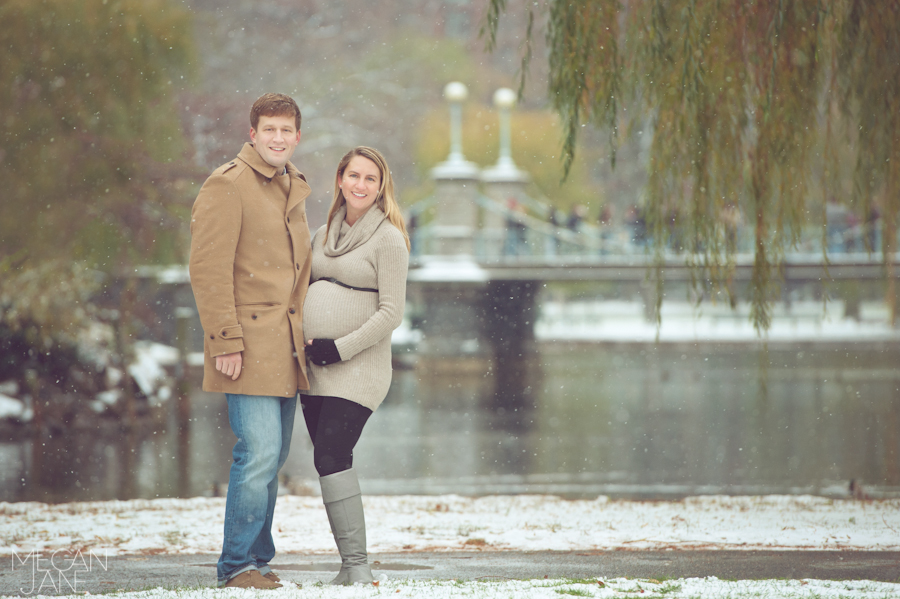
{"points": [[370, 254]]}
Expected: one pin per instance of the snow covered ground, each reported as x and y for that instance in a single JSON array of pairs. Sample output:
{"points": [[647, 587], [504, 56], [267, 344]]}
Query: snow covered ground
{"points": [[493, 523], [802, 321], [452, 522], [706, 588]]}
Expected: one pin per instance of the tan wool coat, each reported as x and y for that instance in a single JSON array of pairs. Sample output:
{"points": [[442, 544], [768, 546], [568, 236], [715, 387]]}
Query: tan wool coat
{"points": [[250, 264]]}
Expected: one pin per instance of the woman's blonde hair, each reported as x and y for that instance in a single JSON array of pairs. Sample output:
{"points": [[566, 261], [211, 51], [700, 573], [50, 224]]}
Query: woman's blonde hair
{"points": [[385, 200]]}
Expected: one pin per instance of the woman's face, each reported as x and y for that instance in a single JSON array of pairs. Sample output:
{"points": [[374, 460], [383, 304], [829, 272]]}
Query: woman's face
{"points": [[360, 184]]}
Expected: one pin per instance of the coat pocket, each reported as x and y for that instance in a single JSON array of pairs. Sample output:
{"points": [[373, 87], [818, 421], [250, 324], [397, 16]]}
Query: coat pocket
{"points": [[260, 304], [255, 313]]}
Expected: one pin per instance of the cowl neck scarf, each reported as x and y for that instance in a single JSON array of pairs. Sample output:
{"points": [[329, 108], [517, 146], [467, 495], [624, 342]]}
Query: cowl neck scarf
{"points": [[343, 238]]}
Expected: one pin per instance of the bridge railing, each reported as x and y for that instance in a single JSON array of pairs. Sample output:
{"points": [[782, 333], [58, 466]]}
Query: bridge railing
{"points": [[517, 234], [523, 235]]}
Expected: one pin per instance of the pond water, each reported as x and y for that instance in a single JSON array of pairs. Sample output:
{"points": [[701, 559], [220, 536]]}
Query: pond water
{"points": [[578, 420]]}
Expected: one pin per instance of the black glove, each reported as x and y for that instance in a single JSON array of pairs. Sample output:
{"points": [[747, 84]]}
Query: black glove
{"points": [[323, 352]]}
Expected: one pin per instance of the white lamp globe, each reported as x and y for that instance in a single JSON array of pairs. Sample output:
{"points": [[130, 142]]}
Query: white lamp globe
{"points": [[456, 92], [504, 98]]}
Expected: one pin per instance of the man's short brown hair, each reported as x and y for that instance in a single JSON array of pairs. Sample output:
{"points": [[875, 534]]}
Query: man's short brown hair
{"points": [[274, 105]]}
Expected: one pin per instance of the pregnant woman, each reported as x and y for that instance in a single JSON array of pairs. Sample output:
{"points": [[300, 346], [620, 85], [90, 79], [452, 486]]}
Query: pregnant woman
{"points": [[355, 299]]}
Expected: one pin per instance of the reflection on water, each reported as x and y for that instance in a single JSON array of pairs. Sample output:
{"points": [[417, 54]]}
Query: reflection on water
{"points": [[572, 419]]}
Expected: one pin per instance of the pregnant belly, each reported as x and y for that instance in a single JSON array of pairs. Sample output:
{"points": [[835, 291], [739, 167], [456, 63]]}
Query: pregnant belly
{"points": [[332, 311]]}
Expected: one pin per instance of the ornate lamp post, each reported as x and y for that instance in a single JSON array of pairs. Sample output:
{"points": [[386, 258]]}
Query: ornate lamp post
{"points": [[449, 282], [505, 169], [503, 181], [504, 100], [456, 188], [456, 166], [456, 93]]}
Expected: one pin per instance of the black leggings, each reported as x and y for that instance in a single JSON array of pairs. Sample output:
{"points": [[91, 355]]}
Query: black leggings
{"points": [[334, 425]]}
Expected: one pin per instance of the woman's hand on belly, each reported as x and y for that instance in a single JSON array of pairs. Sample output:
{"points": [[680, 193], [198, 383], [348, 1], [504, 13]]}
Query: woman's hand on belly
{"points": [[322, 352]]}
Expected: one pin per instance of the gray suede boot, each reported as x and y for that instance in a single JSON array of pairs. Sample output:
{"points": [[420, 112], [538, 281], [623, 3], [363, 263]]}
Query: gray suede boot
{"points": [[343, 504]]}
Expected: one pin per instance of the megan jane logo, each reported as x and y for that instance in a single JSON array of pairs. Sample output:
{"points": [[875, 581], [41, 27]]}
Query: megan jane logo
{"points": [[60, 571]]}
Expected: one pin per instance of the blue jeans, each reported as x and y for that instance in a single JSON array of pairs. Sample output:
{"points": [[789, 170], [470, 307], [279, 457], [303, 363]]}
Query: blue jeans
{"points": [[263, 426]]}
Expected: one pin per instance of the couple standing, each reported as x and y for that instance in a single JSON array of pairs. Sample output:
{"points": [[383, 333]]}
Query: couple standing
{"points": [[284, 315]]}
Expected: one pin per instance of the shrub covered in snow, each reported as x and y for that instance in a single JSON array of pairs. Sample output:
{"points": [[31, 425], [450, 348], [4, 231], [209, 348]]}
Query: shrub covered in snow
{"points": [[60, 352]]}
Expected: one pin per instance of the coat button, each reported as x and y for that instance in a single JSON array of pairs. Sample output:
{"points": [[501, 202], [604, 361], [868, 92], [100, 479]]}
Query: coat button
{"points": [[212, 336], [289, 219], [253, 317], [224, 333], [298, 267], [291, 311]]}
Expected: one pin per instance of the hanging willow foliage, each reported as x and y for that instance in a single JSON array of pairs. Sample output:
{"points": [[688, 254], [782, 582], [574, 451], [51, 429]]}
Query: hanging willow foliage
{"points": [[754, 106]]}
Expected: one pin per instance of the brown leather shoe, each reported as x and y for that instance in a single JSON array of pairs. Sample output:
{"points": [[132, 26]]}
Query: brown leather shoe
{"points": [[252, 579], [272, 576]]}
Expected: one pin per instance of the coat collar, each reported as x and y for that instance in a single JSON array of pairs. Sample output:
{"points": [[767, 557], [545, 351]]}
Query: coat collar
{"points": [[299, 189], [249, 155], [358, 234]]}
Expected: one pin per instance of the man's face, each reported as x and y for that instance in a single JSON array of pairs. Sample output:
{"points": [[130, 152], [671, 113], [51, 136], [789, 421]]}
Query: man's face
{"points": [[275, 138]]}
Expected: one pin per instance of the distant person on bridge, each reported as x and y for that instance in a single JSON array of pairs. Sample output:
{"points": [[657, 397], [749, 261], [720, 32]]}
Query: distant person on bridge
{"points": [[249, 265], [576, 217], [356, 299], [551, 242], [605, 226], [872, 229], [634, 217], [516, 229], [837, 225]]}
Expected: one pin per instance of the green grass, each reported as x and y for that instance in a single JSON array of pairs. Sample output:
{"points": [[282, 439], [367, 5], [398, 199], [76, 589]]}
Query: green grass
{"points": [[174, 537], [592, 581], [669, 588], [639, 587]]}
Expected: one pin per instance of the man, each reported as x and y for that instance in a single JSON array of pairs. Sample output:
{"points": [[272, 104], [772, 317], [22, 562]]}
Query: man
{"points": [[250, 265]]}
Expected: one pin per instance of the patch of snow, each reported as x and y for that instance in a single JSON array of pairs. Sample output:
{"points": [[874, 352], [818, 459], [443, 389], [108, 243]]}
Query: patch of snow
{"points": [[11, 407], [681, 321], [95, 343], [105, 399], [405, 334], [147, 369], [544, 588], [195, 358], [109, 397], [113, 376], [164, 355], [447, 269]]}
